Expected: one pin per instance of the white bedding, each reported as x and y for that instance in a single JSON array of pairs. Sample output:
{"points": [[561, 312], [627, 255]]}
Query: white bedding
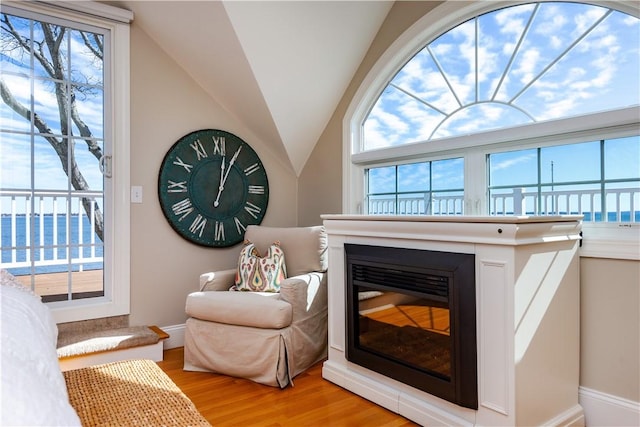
{"points": [[33, 389]]}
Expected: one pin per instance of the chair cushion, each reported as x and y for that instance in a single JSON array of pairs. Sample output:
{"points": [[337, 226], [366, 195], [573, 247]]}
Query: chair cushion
{"points": [[258, 310], [260, 274], [305, 247]]}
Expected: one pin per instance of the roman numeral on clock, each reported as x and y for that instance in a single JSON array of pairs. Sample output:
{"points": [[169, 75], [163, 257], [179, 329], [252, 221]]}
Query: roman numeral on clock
{"points": [[179, 162], [199, 149], [218, 145], [239, 225], [198, 224], [256, 189], [251, 169], [252, 209], [182, 208], [219, 231], [177, 187]]}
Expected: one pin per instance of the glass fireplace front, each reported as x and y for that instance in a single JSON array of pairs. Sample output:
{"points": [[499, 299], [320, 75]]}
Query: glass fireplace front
{"points": [[411, 317]]}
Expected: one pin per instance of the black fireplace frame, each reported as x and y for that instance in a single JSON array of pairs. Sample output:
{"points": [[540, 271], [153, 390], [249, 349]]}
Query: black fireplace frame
{"points": [[461, 387]]}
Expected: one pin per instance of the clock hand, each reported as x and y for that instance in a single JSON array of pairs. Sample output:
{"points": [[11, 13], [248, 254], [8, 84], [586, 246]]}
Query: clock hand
{"points": [[233, 159], [221, 184], [224, 176]]}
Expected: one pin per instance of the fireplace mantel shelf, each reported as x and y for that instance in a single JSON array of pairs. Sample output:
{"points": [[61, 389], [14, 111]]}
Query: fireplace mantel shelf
{"points": [[503, 230], [467, 219], [527, 309]]}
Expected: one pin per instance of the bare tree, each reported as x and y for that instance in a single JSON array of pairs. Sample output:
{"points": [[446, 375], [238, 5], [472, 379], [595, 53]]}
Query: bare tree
{"points": [[50, 54]]}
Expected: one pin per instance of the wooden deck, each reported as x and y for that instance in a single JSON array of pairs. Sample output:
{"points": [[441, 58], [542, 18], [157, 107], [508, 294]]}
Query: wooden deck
{"points": [[57, 283]]}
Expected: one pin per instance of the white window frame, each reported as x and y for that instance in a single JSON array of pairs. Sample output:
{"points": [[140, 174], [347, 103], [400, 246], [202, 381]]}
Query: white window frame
{"points": [[602, 240], [116, 300]]}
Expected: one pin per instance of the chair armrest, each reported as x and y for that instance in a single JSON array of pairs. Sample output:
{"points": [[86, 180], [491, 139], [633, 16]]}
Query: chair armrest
{"points": [[307, 294], [217, 281]]}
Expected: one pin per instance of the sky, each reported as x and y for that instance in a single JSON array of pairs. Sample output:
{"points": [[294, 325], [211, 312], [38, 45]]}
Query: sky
{"points": [[15, 147], [563, 60], [533, 65]]}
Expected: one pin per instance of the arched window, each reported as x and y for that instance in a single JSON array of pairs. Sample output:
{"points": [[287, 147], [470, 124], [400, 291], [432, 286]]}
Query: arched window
{"points": [[531, 109], [513, 66]]}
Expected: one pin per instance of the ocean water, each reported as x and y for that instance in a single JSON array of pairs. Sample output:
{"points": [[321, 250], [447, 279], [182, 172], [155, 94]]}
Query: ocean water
{"points": [[613, 217], [49, 251], [625, 216]]}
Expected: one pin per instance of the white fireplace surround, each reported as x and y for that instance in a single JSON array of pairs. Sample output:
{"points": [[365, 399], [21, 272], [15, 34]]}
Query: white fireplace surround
{"points": [[527, 311]]}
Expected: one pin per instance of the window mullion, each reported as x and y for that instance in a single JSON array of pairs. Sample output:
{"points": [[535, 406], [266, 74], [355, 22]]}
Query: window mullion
{"points": [[603, 190], [475, 182]]}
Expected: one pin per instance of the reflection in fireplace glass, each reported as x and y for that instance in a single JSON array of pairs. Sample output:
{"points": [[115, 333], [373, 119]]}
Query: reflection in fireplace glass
{"points": [[410, 329]]}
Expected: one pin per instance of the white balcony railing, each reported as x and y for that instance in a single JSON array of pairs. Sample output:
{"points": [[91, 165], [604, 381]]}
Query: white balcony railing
{"points": [[53, 238], [622, 204], [47, 229]]}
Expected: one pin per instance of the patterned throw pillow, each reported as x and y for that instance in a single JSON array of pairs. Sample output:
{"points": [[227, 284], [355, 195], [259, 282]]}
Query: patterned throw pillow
{"points": [[260, 274]]}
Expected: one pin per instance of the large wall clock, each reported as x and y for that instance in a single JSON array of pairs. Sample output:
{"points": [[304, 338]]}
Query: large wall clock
{"points": [[211, 186]]}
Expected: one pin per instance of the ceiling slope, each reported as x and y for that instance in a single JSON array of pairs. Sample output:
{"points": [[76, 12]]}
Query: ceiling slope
{"points": [[303, 55], [279, 67]]}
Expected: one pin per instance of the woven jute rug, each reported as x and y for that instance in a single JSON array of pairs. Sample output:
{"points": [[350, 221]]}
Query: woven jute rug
{"points": [[129, 393]]}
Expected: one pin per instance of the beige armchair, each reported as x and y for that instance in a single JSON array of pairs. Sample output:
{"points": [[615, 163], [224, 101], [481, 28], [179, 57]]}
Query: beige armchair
{"points": [[265, 337]]}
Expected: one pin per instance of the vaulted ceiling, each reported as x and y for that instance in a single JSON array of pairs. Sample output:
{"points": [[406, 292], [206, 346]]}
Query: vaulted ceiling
{"points": [[279, 67]]}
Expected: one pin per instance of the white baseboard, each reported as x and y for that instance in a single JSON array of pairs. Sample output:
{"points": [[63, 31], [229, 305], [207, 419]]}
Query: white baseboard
{"points": [[176, 336], [602, 409]]}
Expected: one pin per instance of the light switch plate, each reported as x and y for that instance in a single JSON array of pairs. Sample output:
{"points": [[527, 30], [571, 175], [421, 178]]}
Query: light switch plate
{"points": [[136, 194]]}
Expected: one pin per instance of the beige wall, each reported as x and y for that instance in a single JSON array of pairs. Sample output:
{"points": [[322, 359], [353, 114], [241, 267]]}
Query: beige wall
{"points": [[320, 183], [165, 105], [610, 325]]}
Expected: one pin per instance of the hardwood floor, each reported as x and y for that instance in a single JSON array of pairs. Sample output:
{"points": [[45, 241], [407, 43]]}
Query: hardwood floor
{"points": [[312, 401]]}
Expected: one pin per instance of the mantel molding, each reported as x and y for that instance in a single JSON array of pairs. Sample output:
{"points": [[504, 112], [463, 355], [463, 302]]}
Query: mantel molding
{"points": [[510, 231]]}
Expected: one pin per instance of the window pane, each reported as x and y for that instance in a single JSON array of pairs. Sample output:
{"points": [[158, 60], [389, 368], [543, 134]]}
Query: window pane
{"points": [[570, 199], [448, 174], [59, 48], [46, 105], [623, 202], [12, 59], [47, 168], [382, 180], [413, 177], [86, 56], [414, 203], [89, 102], [570, 163], [20, 88], [415, 181], [513, 168], [15, 162], [88, 163], [513, 201], [622, 158], [447, 203]]}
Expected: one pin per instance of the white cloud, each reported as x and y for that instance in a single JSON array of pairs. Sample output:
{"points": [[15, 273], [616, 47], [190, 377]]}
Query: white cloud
{"points": [[583, 21], [527, 65], [514, 161], [551, 21], [511, 19]]}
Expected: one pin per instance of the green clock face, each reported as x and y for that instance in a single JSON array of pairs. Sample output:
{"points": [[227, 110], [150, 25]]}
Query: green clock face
{"points": [[211, 186]]}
